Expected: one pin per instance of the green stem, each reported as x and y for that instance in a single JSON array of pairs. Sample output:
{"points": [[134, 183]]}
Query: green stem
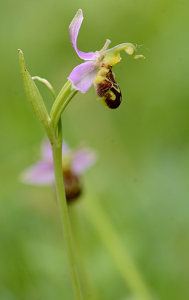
{"points": [[60, 103], [61, 197], [62, 100], [117, 250]]}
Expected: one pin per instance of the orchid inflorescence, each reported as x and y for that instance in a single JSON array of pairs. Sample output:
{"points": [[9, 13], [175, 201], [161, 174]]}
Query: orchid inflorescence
{"points": [[59, 165], [96, 70]]}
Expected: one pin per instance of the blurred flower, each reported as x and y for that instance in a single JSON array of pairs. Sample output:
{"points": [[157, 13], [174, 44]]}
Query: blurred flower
{"points": [[97, 68], [74, 164]]}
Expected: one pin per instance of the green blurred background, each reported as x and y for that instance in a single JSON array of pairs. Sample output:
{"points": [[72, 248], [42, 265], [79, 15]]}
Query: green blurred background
{"points": [[141, 178]]}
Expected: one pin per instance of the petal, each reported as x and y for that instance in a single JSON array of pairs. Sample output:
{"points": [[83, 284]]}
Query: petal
{"points": [[112, 55], [74, 30], [83, 76], [42, 173], [82, 160]]}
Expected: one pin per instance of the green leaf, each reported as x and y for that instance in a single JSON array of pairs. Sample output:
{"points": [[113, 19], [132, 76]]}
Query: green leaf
{"points": [[33, 93]]}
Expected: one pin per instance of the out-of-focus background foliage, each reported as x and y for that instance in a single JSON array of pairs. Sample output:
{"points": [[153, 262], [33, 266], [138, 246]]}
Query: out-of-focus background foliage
{"points": [[141, 178]]}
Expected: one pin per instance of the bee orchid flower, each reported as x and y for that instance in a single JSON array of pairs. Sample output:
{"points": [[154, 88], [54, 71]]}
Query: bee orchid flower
{"points": [[74, 165], [97, 66]]}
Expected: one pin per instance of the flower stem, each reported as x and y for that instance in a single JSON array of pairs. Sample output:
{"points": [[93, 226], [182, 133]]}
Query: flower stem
{"points": [[117, 250], [62, 100], [61, 197]]}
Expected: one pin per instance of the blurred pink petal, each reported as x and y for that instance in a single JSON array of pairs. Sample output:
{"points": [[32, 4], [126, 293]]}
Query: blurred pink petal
{"points": [[74, 31], [65, 148], [82, 160], [42, 173]]}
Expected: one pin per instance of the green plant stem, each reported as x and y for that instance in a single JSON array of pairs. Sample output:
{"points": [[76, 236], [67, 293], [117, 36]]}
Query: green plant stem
{"points": [[116, 249], [62, 100], [59, 105], [61, 197]]}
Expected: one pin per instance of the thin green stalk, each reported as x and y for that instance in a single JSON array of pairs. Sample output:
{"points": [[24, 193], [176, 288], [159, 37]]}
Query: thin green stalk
{"points": [[117, 250], [63, 98], [61, 197], [47, 84], [60, 103]]}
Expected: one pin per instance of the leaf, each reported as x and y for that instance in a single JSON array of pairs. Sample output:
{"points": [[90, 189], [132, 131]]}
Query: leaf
{"points": [[33, 93]]}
